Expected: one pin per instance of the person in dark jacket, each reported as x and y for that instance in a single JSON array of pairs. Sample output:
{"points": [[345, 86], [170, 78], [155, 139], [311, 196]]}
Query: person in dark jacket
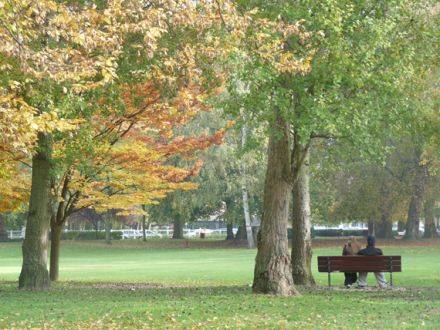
{"points": [[351, 248], [371, 250]]}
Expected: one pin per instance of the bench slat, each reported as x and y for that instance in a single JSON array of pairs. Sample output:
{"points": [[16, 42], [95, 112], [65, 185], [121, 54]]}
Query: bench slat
{"points": [[359, 263], [360, 269]]}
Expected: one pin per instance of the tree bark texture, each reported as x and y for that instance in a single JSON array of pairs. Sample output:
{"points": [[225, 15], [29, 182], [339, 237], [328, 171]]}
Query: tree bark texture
{"points": [[178, 228], [245, 195], [430, 227], [55, 244], [108, 231], [301, 219], [241, 233], [385, 226], [229, 231], [273, 271], [3, 233], [34, 274], [144, 225], [416, 203], [371, 227]]}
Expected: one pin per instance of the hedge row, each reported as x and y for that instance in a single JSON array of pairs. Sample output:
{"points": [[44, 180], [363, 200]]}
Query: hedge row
{"points": [[337, 232], [333, 232], [88, 235]]}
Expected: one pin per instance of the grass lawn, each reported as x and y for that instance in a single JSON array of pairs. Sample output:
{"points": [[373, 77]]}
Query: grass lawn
{"points": [[134, 285]]}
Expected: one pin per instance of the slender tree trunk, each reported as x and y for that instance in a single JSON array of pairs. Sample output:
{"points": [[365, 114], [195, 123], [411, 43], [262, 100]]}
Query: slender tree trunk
{"points": [[3, 233], [229, 232], [57, 222], [108, 231], [430, 228], [371, 227], [247, 218], [34, 274], [245, 196], [416, 202], [273, 270], [400, 225], [178, 228], [55, 243], [301, 221], [144, 225]]}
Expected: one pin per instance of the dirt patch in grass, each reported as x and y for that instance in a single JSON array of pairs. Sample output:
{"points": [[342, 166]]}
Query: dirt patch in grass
{"points": [[239, 244]]}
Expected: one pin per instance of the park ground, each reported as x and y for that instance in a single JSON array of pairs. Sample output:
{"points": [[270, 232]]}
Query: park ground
{"points": [[164, 284]]}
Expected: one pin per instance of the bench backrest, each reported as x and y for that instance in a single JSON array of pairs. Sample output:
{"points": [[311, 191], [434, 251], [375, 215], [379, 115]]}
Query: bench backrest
{"points": [[330, 264]]}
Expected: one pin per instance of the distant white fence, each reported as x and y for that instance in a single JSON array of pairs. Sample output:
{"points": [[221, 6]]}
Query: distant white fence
{"points": [[16, 234], [135, 234]]}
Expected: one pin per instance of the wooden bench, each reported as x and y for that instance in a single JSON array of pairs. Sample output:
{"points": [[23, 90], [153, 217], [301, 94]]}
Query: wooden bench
{"points": [[355, 264]]}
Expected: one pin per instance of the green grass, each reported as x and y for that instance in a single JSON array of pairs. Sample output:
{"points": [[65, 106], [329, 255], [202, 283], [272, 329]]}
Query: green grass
{"points": [[134, 285]]}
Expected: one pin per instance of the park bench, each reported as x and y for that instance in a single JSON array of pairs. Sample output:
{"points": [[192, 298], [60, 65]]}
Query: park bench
{"points": [[355, 264]]}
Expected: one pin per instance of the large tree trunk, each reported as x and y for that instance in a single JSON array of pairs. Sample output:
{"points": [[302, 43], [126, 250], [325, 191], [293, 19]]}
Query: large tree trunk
{"points": [[178, 228], [430, 227], [34, 274], [385, 225], [245, 196], [55, 242], [301, 221], [273, 270], [241, 233]]}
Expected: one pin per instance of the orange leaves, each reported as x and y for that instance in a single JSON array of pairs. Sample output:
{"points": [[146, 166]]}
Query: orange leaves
{"points": [[15, 183]]}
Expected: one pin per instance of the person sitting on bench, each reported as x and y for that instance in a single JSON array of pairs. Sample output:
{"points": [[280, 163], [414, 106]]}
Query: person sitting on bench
{"points": [[371, 250], [351, 248]]}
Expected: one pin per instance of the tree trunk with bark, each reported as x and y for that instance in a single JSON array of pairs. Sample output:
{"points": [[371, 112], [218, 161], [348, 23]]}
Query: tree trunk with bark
{"points": [[108, 231], [273, 270], [245, 195], [371, 227], [229, 231], [178, 228], [34, 274], [430, 228], [416, 202], [301, 219], [3, 233], [144, 225], [55, 244], [241, 233], [385, 226], [57, 222]]}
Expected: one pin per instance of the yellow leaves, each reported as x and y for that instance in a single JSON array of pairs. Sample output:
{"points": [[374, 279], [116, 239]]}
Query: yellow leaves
{"points": [[15, 183]]}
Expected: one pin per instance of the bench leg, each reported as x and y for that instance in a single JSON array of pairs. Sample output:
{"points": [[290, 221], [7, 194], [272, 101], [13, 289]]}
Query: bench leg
{"points": [[329, 280]]}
